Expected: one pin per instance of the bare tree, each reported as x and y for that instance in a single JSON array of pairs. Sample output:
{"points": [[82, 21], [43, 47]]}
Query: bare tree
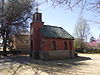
{"points": [[14, 15], [83, 5], [82, 33]]}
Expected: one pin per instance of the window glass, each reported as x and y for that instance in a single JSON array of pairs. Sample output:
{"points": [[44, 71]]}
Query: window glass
{"points": [[54, 45], [65, 45]]}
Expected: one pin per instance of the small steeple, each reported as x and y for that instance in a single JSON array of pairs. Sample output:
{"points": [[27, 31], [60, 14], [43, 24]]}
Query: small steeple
{"points": [[37, 16]]}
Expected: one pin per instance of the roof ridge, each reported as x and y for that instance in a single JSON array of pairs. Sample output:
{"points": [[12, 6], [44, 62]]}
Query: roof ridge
{"points": [[53, 26]]}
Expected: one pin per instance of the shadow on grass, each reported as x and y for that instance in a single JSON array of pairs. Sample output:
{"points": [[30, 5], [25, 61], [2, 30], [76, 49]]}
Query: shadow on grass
{"points": [[46, 66]]}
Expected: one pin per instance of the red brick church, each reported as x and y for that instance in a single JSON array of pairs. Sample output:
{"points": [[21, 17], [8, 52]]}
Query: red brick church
{"points": [[49, 42]]}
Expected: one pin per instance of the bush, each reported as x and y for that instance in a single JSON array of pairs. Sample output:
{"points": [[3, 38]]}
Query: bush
{"points": [[79, 50], [88, 51]]}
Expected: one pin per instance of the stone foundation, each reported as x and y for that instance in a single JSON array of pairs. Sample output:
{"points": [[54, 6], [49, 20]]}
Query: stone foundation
{"points": [[56, 54]]}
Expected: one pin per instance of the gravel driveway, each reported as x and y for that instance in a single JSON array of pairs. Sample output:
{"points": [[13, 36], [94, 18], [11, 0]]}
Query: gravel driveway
{"points": [[85, 64]]}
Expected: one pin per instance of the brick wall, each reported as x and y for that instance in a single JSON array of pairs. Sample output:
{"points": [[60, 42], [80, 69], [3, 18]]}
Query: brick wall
{"points": [[47, 44], [35, 34], [47, 52]]}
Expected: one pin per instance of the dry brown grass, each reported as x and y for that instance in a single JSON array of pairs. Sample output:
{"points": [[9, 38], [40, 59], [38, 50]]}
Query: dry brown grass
{"points": [[86, 64]]}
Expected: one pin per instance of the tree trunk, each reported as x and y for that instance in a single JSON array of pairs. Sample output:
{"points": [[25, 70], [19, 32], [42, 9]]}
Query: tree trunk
{"points": [[82, 46], [5, 43], [4, 48]]}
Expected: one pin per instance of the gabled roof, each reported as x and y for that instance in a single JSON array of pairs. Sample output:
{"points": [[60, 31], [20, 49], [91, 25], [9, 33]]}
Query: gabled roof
{"points": [[55, 32]]}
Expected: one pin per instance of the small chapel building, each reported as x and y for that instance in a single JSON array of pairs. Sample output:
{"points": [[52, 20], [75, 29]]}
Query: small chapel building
{"points": [[49, 42]]}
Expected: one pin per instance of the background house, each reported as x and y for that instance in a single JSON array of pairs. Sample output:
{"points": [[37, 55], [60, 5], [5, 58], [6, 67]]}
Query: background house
{"points": [[21, 41]]}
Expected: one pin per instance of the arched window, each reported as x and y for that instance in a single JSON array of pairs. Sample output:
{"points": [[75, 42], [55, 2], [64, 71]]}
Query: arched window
{"points": [[42, 44], [65, 45], [31, 44], [53, 45]]}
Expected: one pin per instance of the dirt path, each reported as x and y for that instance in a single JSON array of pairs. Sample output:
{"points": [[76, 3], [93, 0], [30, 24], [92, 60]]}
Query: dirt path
{"points": [[87, 64], [89, 67]]}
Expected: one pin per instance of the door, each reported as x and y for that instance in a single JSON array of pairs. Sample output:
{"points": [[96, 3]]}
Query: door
{"points": [[70, 49]]}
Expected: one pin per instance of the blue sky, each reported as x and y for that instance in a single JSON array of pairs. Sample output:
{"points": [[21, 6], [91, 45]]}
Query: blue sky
{"points": [[67, 19]]}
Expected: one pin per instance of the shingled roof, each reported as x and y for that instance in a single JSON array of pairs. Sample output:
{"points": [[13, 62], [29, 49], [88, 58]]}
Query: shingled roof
{"points": [[55, 32]]}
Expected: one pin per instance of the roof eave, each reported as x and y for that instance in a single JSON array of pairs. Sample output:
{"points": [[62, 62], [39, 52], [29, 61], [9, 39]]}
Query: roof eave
{"points": [[58, 38]]}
